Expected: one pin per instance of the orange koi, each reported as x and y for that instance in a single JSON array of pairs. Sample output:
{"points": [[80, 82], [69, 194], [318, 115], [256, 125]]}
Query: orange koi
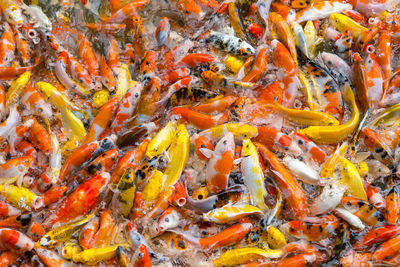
{"points": [[7, 73], [15, 168], [125, 12], [392, 207], [215, 105], [306, 144], [282, 29], [376, 145], [36, 231], [312, 228], [50, 258], [275, 140], [360, 82], [259, 67], [377, 235], [39, 137], [362, 209], [189, 6], [285, 11], [86, 54], [384, 57], [79, 72], [321, 10], [88, 233], [387, 249], [126, 108], [113, 56], [148, 66], [8, 258], [102, 163], [54, 194], [139, 39], [130, 160], [220, 164], [107, 28], [82, 154], [62, 75], [141, 257], [80, 202], [193, 60], [271, 93], [283, 60], [14, 240], [374, 80], [16, 222], [115, 5], [291, 190], [8, 210], [162, 31], [106, 74], [175, 75], [106, 228], [102, 120], [22, 47], [202, 142], [200, 120], [175, 87], [35, 102], [226, 237], [7, 46], [298, 260]]}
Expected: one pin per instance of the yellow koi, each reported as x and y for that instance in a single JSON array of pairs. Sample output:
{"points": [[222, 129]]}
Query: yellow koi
{"points": [[328, 168], [162, 140], [311, 38], [362, 168], [124, 81], [253, 175], [21, 197], [237, 256], [72, 123], [239, 130], [100, 98], [71, 249], [93, 256], [352, 179], [152, 189], [16, 88], [228, 214], [234, 64], [390, 116], [53, 96], [127, 191], [343, 22], [62, 233], [178, 154], [335, 134], [307, 117], [275, 238]]}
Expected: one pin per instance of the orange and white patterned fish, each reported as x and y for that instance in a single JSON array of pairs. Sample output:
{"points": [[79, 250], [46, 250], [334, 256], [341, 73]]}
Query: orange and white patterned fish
{"points": [[7, 46], [220, 164]]}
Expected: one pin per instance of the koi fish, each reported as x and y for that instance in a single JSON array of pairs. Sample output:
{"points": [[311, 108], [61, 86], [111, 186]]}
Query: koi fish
{"points": [[220, 164], [230, 44]]}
